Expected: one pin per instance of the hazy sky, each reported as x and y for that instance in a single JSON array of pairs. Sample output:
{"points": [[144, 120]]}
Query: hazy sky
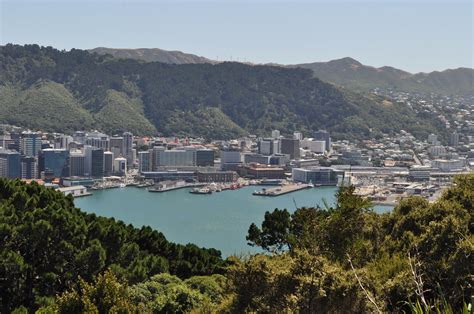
{"points": [[416, 35]]}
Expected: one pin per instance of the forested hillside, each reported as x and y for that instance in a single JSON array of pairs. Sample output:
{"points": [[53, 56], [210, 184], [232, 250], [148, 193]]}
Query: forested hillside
{"points": [[61, 91], [346, 258], [356, 76]]}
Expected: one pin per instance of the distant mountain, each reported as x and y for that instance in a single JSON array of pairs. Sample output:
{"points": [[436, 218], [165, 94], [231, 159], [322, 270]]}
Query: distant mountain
{"points": [[44, 88], [352, 74], [152, 55]]}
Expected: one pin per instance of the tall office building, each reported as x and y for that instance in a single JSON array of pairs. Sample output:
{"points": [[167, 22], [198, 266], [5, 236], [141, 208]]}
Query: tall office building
{"points": [[108, 163], [116, 146], [290, 147], [204, 157], [298, 136], [127, 151], [54, 160], [433, 139], [76, 164], [63, 141], [269, 146], [30, 143], [275, 134], [323, 135], [79, 137], [29, 167], [10, 165], [144, 161], [97, 140], [97, 163]]}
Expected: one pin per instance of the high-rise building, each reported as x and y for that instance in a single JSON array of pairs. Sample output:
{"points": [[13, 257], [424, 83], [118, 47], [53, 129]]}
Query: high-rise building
{"points": [[298, 136], [177, 158], [204, 157], [97, 163], [10, 166], [291, 147], [77, 164], [323, 135], [63, 141], [116, 146], [54, 160], [275, 134], [144, 161], [97, 140], [269, 146], [29, 167], [231, 159], [120, 166], [108, 163], [30, 143], [79, 137], [127, 147], [454, 139]]}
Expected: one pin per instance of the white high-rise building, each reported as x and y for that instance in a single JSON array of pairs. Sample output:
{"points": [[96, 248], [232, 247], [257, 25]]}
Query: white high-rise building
{"points": [[275, 134]]}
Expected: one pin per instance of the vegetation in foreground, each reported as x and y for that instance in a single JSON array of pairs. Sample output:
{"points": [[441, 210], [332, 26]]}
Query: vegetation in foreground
{"points": [[346, 258]]}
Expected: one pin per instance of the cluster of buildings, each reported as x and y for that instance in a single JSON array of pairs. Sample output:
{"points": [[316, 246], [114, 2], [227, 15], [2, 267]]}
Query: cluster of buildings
{"points": [[85, 158]]}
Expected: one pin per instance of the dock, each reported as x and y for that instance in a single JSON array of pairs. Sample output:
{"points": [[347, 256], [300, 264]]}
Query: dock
{"points": [[281, 190]]}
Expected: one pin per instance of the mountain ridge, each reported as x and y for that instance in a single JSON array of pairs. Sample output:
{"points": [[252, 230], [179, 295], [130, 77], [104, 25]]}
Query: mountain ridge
{"points": [[218, 101]]}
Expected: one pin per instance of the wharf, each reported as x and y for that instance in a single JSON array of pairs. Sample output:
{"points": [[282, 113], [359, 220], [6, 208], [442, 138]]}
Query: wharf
{"points": [[281, 190], [172, 188]]}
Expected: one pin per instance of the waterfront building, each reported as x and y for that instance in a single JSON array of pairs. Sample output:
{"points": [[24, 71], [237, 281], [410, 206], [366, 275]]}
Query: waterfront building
{"points": [[97, 163], [10, 165], [29, 167], [144, 161], [323, 135], [258, 171], [230, 159], [108, 163], [76, 163], [54, 160], [74, 181], [205, 157], [120, 165], [217, 176], [30, 144], [75, 191], [173, 175], [291, 147], [317, 175], [177, 157]]}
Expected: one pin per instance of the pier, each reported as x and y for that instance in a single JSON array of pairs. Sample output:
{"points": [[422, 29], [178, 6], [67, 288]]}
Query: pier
{"points": [[281, 190]]}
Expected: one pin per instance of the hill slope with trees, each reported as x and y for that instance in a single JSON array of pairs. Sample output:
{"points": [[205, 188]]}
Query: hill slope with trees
{"points": [[210, 100], [353, 75]]}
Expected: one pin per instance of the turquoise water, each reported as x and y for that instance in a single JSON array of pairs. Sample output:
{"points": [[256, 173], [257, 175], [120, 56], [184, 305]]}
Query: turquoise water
{"points": [[219, 220]]}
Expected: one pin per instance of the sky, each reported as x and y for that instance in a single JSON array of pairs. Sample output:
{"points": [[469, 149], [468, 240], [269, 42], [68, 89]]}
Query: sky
{"points": [[416, 35]]}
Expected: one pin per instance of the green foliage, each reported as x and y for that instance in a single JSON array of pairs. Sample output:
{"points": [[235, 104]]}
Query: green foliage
{"points": [[220, 101], [46, 244], [421, 251]]}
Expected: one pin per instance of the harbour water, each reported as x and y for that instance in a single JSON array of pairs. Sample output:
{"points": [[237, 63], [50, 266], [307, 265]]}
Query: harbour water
{"points": [[218, 220]]}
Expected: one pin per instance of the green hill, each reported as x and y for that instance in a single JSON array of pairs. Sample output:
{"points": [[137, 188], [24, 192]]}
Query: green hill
{"points": [[211, 100], [352, 74]]}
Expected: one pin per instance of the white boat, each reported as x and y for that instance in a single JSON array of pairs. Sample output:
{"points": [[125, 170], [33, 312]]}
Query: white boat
{"points": [[122, 185]]}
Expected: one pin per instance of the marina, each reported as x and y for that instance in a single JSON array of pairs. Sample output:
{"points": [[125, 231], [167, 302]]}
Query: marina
{"points": [[220, 220]]}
